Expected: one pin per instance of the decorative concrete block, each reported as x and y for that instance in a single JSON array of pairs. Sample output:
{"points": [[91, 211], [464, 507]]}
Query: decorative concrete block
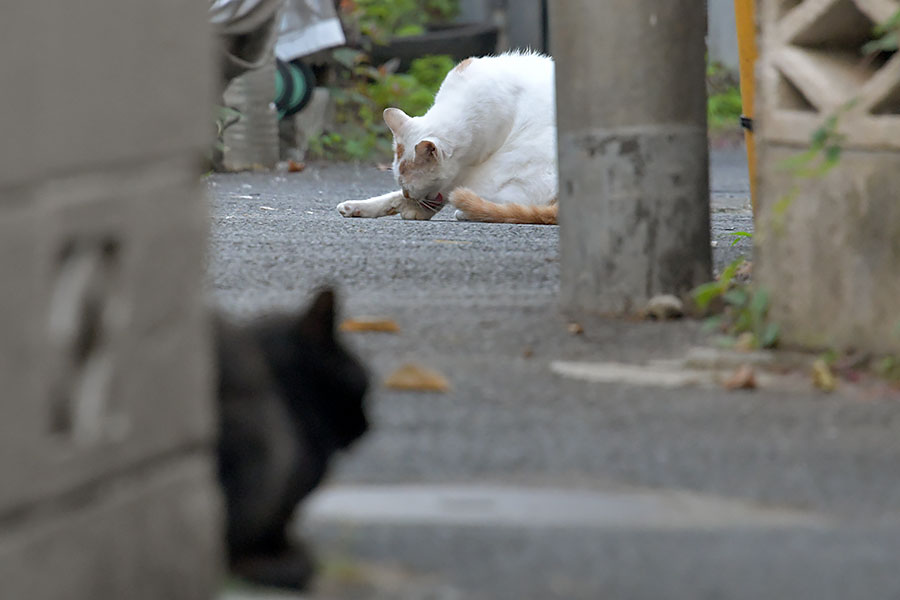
{"points": [[828, 245], [106, 421], [95, 82], [811, 66], [830, 253], [149, 536], [108, 328]]}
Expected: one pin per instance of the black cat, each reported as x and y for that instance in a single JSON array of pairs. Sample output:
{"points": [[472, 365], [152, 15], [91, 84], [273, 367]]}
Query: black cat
{"points": [[290, 397]]}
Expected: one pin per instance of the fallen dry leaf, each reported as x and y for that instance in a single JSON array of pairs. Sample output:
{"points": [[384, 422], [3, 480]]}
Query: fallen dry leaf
{"points": [[744, 378], [746, 342], [575, 328], [295, 167], [384, 167], [822, 376], [417, 378], [378, 324], [451, 242], [744, 273]]}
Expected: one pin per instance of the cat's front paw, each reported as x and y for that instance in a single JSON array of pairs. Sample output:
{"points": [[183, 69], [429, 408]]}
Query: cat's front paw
{"points": [[461, 216], [350, 209], [414, 211]]}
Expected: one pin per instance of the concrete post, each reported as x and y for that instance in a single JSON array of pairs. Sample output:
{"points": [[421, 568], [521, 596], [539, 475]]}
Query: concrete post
{"points": [[525, 26], [828, 244], [106, 416], [633, 157], [723, 44]]}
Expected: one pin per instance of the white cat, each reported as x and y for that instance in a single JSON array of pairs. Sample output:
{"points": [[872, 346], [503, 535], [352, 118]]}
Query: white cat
{"points": [[488, 145]]}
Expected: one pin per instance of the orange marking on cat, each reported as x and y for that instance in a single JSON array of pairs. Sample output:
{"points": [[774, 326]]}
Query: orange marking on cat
{"points": [[463, 65], [404, 167], [400, 151], [478, 209]]}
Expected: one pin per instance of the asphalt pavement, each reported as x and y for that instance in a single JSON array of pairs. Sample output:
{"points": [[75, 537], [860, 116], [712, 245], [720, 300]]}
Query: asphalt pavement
{"points": [[522, 482]]}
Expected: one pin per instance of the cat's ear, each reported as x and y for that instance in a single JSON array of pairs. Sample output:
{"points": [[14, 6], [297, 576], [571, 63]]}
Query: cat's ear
{"points": [[395, 119], [426, 150], [318, 321]]}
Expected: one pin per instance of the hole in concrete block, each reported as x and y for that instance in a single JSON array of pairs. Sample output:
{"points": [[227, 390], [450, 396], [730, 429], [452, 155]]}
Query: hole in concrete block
{"points": [[841, 26], [82, 314], [790, 97], [786, 6], [890, 104]]}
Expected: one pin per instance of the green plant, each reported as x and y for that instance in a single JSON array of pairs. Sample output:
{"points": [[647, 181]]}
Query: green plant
{"points": [[740, 235], [381, 20], [362, 94], [724, 109], [822, 155], [724, 106], [744, 311], [825, 148], [705, 294], [887, 38]]}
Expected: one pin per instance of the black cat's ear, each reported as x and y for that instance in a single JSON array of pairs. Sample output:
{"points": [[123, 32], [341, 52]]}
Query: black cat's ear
{"points": [[320, 317]]}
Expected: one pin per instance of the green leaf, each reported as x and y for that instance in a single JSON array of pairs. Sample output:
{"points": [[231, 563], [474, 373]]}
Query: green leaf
{"points": [[886, 43], [704, 294], [738, 235], [736, 297], [348, 57], [759, 303], [832, 155], [729, 272], [888, 25], [713, 323], [409, 30], [770, 335], [820, 136], [781, 207], [743, 321], [799, 161]]}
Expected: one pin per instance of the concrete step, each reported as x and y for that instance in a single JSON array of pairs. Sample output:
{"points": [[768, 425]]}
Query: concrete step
{"points": [[490, 541]]}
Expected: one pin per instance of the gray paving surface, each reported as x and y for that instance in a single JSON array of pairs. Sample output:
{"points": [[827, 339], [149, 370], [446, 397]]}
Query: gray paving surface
{"points": [[477, 302]]}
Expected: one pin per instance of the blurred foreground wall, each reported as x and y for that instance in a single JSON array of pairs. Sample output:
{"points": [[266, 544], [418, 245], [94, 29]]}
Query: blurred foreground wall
{"points": [[106, 481]]}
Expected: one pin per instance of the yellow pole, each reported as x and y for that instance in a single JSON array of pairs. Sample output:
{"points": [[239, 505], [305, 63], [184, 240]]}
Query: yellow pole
{"points": [[746, 33]]}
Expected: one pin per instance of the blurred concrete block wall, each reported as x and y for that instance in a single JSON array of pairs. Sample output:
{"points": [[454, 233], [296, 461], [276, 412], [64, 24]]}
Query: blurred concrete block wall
{"points": [[827, 241], [107, 487]]}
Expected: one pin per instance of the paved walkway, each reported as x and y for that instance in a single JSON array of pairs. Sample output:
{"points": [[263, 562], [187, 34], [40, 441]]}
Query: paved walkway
{"points": [[523, 483]]}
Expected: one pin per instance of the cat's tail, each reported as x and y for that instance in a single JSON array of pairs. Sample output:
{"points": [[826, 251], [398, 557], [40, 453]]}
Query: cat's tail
{"points": [[475, 208]]}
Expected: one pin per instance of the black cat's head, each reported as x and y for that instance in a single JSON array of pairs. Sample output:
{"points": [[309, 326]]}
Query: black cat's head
{"points": [[324, 384]]}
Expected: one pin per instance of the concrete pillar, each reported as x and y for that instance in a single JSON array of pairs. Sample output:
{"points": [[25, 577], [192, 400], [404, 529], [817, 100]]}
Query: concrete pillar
{"points": [[633, 157], [525, 27], [476, 10], [106, 421], [828, 245]]}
